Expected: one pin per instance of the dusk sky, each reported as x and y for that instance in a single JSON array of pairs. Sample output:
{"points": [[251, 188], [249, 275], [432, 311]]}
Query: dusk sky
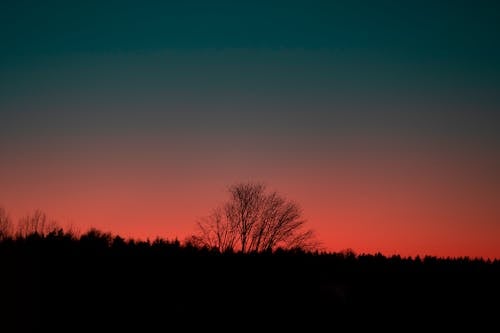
{"points": [[380, 118]]}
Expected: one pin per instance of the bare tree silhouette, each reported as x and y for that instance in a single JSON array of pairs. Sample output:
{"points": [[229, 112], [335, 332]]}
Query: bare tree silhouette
{"points": [[253, 220], [5, 224], [36, 223]]}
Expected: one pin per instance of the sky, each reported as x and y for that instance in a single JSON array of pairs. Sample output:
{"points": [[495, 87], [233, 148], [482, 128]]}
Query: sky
{"points": [[380, 118]]}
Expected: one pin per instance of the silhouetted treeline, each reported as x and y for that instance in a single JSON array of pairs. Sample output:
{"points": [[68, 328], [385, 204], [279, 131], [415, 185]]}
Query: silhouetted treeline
{"points": [[96, 280]]}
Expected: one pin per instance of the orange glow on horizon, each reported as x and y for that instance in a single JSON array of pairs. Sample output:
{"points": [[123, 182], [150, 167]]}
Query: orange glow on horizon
{"points": [[394, 203]]}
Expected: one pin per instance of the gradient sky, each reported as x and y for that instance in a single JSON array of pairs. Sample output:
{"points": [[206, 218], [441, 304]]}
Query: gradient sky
{"points": [[380, 118]]}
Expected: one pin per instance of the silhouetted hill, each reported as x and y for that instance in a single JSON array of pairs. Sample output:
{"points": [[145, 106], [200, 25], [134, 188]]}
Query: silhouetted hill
{"points": [[99, 282]]}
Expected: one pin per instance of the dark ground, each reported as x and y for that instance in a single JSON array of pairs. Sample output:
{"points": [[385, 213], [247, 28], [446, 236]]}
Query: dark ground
{"points": [[104, 285]]}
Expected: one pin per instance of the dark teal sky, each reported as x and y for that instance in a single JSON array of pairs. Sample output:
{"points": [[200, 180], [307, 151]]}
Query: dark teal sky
{"points": [[205, 81], [434, 62]]}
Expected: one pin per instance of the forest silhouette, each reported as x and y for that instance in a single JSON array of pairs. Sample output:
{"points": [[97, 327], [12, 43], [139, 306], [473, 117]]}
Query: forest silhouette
{"points": [[251, 263], [97, 280]]}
